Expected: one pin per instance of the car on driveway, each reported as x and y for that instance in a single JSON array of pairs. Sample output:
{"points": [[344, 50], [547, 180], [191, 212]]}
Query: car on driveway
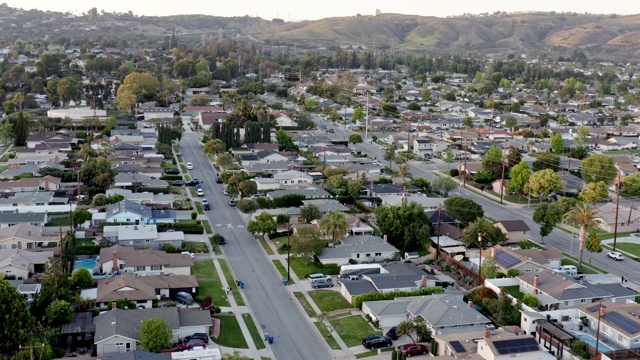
{"points": [[172, 171], [205, 204], [177, 183], [392, 333], [189, 166], [190, 344], [376, 342], [198, 336], [615, 255], [414, 349]]}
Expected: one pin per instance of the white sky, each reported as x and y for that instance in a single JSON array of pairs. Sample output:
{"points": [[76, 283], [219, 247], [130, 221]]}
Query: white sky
{"points": [[291, 10]]}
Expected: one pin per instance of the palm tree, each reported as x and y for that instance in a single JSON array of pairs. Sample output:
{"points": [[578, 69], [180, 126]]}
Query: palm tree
{"points": [[403, 170], [85, 151], [105, 149], [406, 328], [584, 216], [334, 223]]}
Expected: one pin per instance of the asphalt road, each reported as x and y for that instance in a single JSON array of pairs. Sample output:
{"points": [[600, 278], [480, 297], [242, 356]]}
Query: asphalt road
{"points": [[557, 238], [274, 307]]}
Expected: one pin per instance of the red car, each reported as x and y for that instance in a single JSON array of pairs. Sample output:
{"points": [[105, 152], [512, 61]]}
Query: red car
{"points": [[188, 345], [414, 349]]}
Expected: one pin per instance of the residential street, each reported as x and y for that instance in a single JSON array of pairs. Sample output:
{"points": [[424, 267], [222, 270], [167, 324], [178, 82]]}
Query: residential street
{"points": [[275, 309], [494, 210]]}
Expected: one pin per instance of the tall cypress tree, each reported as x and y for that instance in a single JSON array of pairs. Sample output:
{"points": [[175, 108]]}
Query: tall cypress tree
{"points": [[237, 139]]}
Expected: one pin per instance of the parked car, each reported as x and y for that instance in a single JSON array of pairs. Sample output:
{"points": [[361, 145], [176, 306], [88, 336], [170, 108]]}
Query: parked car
{"points": [[184, 298], [376, 342], [318, 276], [198, 336], [258, 195], [232, 202], [200, 192], [331, 131], [193, 182], [205, 204], [615, 255], [392, 333], [221, 240], [189, 166], [321, 283], [188, 345], [225, 192], [218, 180], [177, 183], [172, 171], [188, 253], [414, 349]]}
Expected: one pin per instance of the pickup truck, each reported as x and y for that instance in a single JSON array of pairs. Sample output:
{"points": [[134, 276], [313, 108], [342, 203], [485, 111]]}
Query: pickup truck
{"points": [[570, 271]]}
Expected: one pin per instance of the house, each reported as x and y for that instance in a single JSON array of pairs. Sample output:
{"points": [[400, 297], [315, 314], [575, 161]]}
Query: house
{"points": [[292, 177], [276, 167], [571, 184], [309, 192], [142, 290], [618, 323], [377, 190], [25, 236], [326, 205], [142, 236], [516, 230], [46, 183], [20, 264], [522, 347], [513, 260], [127, 180], [428, 203], [127, 211], [143, 262], [480, 345], [207, 119], [360, 249], [442, 313], [117, 330], [628, 218], [29, 218]]}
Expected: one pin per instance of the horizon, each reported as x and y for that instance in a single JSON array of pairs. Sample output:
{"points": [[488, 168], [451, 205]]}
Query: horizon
{"points": [[289, 11]]}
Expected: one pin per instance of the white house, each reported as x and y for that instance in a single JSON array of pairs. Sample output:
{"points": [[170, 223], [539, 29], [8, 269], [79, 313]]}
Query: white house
{"points": [[143, 262], [293, 177], [361, 249]]}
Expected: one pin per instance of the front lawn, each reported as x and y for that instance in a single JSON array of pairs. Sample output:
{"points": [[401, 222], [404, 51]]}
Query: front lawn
{"points": [[352, 329], [207, 226], [205, 270], [303, 269], [199, 207], [64, 221], [305, 304], [195, 246], [253, 330], [213, 289], [328, 300], [230, 333], [282, 270]]}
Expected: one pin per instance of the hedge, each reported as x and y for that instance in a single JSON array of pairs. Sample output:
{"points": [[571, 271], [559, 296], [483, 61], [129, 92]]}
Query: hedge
{"points": [[376, 296], [171, 177], [88, 249], [190, 229]]}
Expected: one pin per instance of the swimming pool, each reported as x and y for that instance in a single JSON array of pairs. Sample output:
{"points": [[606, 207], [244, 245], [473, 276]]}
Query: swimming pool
{"points": [[89, 264], [592, 341]]}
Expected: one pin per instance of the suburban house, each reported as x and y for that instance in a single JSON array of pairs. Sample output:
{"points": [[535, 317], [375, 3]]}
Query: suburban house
{"points": [[142, 290], [326, 205], [127, 180], [46, 183], [356, 227], [628, 219], [274, 167], [556, 291], [428, 203], [378, 190], [143, 262], [309, 192], [619, 323], [571, 183], [516, 230], [142, 236], [127, 211], [20, 264], [442, 313], [206, 119], [425, 147], [117, 330], [292, 177], [498, 344], [25, 236], [360, 249], [524, 261], [28, 218]]}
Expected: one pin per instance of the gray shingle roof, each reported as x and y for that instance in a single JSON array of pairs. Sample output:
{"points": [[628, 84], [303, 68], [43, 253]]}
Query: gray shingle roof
{"points": [[445, 310], [130, 206], [13, 218], [357, 287], [127, 322], [357, 244]]}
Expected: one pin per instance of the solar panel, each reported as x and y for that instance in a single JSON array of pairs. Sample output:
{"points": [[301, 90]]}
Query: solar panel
{"points": [[593, 308], [623, 322], [516, 346], [457, 346], [505, 259]]}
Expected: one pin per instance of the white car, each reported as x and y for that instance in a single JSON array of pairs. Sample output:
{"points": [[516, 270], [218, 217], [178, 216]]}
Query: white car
{"points": [[192, 255], [189, 166], [615, 255], [200, 192]]}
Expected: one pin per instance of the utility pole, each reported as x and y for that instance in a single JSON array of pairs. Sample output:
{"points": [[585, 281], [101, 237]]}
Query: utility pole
{"points": [[31, 347], [598, 333], [288, 250], [439, 223], [366, 119], [504, 162], [464, 176], [615, 231], [480, 262]]}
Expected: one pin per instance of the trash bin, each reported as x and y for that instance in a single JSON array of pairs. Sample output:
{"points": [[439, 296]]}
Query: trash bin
{"points": [[241, 284], [238, 282], [214, 248], [285, 282], [270, 339]]}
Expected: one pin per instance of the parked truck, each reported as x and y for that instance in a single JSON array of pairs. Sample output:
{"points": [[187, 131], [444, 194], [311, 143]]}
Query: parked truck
{"points": [[569, 271]]}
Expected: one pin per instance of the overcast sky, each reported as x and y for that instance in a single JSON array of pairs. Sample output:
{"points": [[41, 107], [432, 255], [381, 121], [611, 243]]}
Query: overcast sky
{"points": [[308, 10]]}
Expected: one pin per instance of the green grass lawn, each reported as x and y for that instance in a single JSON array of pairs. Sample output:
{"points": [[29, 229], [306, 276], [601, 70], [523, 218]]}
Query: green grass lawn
{"points": [[205, 270], [167, 166], [631, 248], [265, 245], [352, 329], [230, 333], [3, 168], [85, 242], [333, 344], [282, 270], [305, 305], [367, 354], [195, 246], [199, 207], [193, 192], [182, 205], [232, 282], [256, 335], [513, 291], [610, 236], [519, 199], [59, 221], [303, 270], [206, 226], [328, 300], [5, 158], [586, 268], [213, 289]]}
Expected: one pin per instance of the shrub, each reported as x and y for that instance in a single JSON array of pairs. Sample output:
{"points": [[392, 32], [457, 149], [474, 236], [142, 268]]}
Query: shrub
{"points": [[264, 203], [454, 172], [530, 301], [248, 206], [194, 215], [579, 348], [375, 296], [88, 250], [169, 248]]}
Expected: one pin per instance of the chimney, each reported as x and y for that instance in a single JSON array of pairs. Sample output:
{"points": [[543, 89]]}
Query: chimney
{"points": [[470, 303], [536, 282], [115, 262], [29, 232], [384, 238], [487, 333], [493, 252], [424, 282]]}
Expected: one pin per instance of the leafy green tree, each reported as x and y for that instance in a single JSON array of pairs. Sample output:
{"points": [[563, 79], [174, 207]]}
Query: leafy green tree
{"points": [[547, 216], [394, 221], [354, 187], [489, 270], [307, 242], [416, 237], [358, 114], [82, 278], [450, 96], [584, 216], [631, 183], [406, 327], [557, 143], [58, 313], [544, 182], [336, 183], [467, 122], [530, 300], [285, 142], [490, 233], [444, 185], [6, 132], [247, 188], [595, 192], [582, 135], [79, 216], [355, 138], [599, 167], [511, 123], [263, 224], [593, 243], [97, 172], [492, 161], [547, 161], [310, 212], [449, 158], [21, 129], [519, 175], [463, 210], [200, 100], [334, 223], [17, 322], [390, 154], [214, 147], [154, 334]]}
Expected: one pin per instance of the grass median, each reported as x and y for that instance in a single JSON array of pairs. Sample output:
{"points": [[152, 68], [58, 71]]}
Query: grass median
{"points": [[232, 282], [256, 336]]}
